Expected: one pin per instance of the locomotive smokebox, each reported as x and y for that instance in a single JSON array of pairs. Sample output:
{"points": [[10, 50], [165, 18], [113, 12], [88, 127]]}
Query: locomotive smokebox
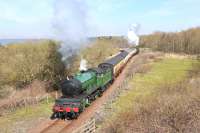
{"points": [[71, 87]]}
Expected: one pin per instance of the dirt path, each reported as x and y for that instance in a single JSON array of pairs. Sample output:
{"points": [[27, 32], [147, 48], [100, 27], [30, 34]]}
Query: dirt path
{"points": [[56, 126]]}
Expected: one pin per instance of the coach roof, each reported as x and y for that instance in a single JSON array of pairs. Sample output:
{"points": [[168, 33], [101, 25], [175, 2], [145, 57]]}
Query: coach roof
{"points": [[116, 59]]}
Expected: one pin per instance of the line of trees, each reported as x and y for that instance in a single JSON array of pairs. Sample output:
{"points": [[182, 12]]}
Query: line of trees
{"points": [[187, 41], [20, 64]]}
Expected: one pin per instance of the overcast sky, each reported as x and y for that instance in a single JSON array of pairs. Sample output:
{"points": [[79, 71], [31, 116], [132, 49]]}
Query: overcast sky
{"points": [[34, 18]]}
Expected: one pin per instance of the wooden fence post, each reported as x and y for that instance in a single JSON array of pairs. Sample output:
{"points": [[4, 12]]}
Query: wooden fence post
{"points": [[24, 102], [36, 98], [47, 98], [56, 94], [88, 127]]}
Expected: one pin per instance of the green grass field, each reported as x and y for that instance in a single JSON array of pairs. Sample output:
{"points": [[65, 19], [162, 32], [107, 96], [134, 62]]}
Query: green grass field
{"points": [[167, 71], [161, 100]]}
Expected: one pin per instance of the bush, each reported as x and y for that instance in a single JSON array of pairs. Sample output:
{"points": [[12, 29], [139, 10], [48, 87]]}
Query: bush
{"points": [[22, 63], [171, 111]]}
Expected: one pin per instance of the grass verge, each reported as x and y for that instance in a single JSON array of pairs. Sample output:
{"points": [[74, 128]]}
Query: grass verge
{"points": [[23, 116], [168, 71], [161, 100]]}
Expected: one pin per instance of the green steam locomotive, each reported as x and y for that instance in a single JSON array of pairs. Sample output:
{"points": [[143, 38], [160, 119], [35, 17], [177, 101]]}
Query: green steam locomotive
{"points": [[85, 86]]}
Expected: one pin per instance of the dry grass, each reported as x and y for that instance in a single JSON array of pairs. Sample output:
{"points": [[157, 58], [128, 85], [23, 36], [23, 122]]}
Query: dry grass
{"points": [[166, 104], [13, 100], [25, 118], [175, 110], [142, 62], [180, 56]]}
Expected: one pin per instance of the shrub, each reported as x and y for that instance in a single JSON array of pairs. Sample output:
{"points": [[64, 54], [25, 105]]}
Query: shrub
{"points": [[22, 63]]}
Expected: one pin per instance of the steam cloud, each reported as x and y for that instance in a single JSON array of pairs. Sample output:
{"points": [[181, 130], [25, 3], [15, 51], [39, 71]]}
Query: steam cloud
{"points": [[133, 38], [69, 25], [83, 65]]}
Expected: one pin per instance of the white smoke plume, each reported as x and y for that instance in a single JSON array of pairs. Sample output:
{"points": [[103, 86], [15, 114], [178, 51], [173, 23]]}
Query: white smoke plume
{"points": [[83, 65], [133, 37], [69, 25]]}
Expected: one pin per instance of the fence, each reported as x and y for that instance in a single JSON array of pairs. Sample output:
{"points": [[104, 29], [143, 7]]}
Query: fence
{"points": [[118, 91], [107, 107], [88, 127], [13, 105]]}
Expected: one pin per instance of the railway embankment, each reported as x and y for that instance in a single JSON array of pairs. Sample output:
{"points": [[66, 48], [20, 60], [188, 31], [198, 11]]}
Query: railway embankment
{"points": [[163, 96]]}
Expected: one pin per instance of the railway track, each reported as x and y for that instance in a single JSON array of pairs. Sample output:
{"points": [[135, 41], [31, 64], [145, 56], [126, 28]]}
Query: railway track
{"points": [[58, 126]]}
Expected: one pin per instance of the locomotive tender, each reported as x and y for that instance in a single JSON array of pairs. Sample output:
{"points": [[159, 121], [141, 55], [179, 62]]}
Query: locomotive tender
{"points": [[85, 86]]}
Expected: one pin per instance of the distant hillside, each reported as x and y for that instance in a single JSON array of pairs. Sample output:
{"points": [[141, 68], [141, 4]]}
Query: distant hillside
{"points": [[7, 41], [11, 41]]}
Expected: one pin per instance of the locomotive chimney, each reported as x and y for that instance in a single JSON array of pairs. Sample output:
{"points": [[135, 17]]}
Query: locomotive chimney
{"points": [[83, 65]]}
